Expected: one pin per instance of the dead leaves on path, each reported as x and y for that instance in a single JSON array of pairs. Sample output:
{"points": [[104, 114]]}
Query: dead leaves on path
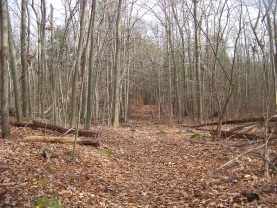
{"points": [[154, 170]]}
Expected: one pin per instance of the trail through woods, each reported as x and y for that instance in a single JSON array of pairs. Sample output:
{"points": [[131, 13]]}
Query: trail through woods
{"points": [[139, 165]]}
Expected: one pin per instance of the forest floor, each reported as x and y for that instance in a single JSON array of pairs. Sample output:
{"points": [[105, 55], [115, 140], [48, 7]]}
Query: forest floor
{"points": [[140, 165]]}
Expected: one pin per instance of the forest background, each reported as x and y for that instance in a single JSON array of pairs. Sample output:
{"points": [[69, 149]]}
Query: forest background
{"points": [[154, 70], [91, 62]]}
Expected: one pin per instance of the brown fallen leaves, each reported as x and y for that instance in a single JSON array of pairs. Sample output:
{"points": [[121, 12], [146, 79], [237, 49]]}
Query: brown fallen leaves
{"points": [[153, 170]]}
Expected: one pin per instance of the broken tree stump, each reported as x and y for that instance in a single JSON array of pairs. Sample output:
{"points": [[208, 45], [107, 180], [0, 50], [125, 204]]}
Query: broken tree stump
{"points": [[79, 140]]}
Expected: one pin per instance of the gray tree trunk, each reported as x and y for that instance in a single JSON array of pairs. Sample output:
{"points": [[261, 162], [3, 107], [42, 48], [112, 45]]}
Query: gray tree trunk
{"points": [[91, 66], [272, 55], [24, 64], [77, 66], [42, 58], [53, 71], [197, 63], [15, 75], [117, 68], [30, 91], [4, 70]]}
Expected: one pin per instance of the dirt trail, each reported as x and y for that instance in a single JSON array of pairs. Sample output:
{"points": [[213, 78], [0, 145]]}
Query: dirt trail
{"points": [[145, 113], [160, 171]]}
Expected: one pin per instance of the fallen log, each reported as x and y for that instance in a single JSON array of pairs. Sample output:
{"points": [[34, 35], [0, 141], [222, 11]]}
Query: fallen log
{"points": [[236, 135], [260, 119], [22, 124], [60, 129], [79, 140], [240, 128]]}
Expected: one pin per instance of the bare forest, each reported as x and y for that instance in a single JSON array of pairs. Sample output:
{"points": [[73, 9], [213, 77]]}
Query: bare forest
{"points": [[135, 103]]}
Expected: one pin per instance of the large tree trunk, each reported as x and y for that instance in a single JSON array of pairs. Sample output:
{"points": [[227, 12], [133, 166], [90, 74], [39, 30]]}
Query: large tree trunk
{"points": [[4, 70], [24, 65], [117, 67]]}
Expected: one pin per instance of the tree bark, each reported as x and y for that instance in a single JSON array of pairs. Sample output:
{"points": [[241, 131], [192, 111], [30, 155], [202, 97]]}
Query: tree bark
{"points": [[24, 65], [4, 70], [197, 63], [117, 67], [271, 56], [182, 101], [91, 66], [15, 75], [77, 65], [42, 58], [53, 71]]}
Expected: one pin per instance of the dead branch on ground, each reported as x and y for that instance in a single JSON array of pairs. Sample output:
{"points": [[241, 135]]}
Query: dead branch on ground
{"points": [[60, 129], [80, 140], [247, 120]]}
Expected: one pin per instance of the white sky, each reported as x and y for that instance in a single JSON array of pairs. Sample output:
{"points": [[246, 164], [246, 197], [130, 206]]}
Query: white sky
{"points": [[59, 9], [57, 4]]}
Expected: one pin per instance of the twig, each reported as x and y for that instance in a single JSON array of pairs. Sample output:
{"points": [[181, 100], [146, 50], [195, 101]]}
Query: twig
{"points": [[68, 131], [221, 167]]}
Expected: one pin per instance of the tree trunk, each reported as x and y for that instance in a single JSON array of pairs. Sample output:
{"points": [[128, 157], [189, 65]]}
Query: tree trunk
{"points": [[266, 95], [42, 58], [197, 63], [272, 56], [53, 71], [91, 66], [15, 75], [4, 70], [275, 44], [182, 102], [77, 65], [24, 65], [30, 91], [117, 67]]}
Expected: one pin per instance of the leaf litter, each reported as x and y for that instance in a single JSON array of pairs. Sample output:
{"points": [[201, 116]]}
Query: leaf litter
{"points": [[140, 168]]}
